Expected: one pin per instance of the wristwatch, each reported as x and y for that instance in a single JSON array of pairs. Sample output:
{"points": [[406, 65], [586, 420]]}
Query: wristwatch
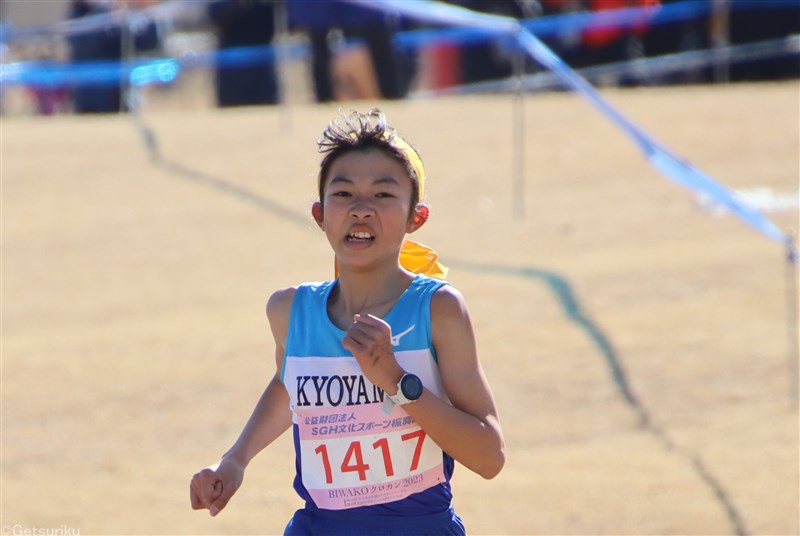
{"points": [[409, 389]]}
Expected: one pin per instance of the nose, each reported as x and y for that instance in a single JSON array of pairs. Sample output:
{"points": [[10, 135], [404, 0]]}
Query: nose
{"points": [[361, 209]]}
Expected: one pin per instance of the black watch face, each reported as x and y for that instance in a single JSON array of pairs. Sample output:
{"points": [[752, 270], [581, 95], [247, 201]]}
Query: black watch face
{"points": [[411, 387]]}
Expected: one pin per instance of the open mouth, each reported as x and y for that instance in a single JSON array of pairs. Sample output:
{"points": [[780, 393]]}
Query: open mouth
{"points": [[360, 236]]}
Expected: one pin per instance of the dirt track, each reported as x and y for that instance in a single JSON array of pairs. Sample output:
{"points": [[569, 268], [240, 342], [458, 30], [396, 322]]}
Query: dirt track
{"points": [[134, 342]]}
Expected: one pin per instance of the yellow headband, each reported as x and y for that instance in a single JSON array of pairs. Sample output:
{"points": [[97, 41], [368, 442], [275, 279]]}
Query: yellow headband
{"points": [[413, 158]]}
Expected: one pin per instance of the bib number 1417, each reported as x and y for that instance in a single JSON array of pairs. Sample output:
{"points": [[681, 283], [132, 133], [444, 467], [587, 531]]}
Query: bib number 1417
{"points": [[353, 461]]}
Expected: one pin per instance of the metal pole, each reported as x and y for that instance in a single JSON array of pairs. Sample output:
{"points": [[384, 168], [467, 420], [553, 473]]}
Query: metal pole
{"points": [[792, 274], [130, 95], [128, 47], [279, 42], [518, 134], [720, 39]]}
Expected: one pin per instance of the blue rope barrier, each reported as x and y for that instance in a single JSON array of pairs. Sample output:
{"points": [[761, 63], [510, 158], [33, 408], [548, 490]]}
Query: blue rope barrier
{"points": [[102, 74], [642, 69], [547, 26], [107, 73], [54, 74], [669, 164]]}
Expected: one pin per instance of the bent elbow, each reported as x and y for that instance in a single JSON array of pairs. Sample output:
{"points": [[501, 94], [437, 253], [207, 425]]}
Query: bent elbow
{"points": [[494, 465]]}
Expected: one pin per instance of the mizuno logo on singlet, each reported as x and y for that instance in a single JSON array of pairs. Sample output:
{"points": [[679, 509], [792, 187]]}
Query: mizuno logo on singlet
{"points": [[396, 338]]}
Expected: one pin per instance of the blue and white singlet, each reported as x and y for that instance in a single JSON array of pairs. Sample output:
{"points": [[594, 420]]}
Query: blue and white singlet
{"points": [[349, 454]]}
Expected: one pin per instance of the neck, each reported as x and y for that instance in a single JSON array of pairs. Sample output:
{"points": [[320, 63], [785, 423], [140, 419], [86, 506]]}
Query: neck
{"points": [[367, 292]]}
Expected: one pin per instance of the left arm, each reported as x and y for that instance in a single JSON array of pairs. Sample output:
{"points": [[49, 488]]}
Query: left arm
{"points": [[468, 429]]}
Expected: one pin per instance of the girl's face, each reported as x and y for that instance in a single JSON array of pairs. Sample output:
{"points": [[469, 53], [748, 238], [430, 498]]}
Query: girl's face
{"points": [[365, 209]]}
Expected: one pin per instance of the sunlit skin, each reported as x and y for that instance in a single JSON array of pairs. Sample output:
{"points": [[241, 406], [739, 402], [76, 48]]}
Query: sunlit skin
{"points": [[366, 212], [368, 195]]}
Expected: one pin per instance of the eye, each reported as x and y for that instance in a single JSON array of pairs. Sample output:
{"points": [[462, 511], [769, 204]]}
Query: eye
{"points": [[384, 195], [340, 193]]}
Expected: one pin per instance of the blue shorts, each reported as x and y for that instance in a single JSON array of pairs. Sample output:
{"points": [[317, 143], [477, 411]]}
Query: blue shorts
{"points": [[315, 522]]}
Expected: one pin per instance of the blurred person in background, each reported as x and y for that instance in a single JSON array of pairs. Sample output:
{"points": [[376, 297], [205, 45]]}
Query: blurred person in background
{"points": [[49, 99], [608, 44], [772, 21], [244, 23], [671, 37], [493, 60], [387, 74], [106, 44]]}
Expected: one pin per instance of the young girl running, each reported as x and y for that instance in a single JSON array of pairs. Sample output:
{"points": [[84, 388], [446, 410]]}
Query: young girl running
{"points": [[377, 371]]}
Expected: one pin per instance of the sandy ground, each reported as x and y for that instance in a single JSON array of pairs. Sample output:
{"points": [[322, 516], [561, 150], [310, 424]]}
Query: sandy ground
{"points": [[639, 346]]}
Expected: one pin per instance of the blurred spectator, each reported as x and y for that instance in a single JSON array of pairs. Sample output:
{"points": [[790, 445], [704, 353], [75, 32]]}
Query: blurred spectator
{"points": [[321, 17], [244, 23], [49, 99], [493, 60], [773, 21], [105, 45], [680, 36], [603, 45]]}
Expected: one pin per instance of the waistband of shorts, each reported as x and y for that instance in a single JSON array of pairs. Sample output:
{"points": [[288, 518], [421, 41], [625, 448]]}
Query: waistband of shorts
{"points": [[379, 520]]}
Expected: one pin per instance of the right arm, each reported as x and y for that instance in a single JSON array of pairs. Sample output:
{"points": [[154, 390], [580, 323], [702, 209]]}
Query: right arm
{"points": [[213, 487]]}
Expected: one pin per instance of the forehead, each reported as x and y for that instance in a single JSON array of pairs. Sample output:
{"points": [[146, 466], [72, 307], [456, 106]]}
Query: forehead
{"points": [[371, 164]]}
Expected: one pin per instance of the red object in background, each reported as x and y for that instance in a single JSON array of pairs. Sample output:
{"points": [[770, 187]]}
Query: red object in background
{"points": [[50, 101], [441, 66], [601, 37]]}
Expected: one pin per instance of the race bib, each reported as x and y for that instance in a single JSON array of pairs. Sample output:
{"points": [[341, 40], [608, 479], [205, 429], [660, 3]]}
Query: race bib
{"points": [[356, 456]]}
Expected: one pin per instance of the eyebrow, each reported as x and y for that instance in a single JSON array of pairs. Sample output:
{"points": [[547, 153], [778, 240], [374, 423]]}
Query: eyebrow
{"points": [[382, 180]]}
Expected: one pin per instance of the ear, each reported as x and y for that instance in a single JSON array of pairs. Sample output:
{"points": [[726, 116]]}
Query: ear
{"points": [[318, 213], [419, 217]]}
